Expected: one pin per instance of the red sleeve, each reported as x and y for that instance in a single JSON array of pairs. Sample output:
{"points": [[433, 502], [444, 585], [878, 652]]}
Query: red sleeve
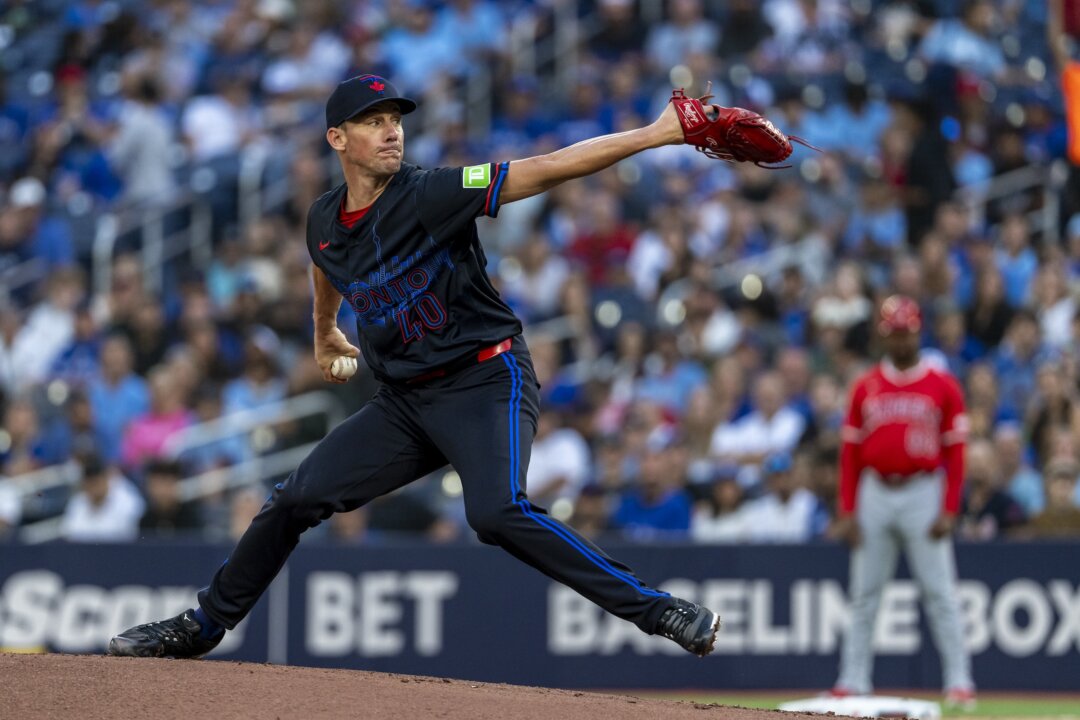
{"points": [[954, 432], [953, 457], [850, 451]]}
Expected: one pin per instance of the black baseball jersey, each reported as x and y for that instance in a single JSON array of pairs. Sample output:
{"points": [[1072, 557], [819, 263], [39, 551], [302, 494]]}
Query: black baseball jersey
{"points": [[413, 269]]}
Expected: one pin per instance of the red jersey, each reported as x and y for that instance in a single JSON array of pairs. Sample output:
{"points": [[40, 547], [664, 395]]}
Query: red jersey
{"points": [[902, 423]]}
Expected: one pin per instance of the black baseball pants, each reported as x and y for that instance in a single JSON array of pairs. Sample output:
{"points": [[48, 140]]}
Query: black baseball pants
{"points": [[481, 420]]}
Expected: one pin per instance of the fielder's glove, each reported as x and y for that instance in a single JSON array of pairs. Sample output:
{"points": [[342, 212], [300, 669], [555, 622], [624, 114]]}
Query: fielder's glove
{"points": [[733, 134]]}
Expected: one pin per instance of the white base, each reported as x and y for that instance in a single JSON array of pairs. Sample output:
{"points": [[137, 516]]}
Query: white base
{"points": [[868, 706]]}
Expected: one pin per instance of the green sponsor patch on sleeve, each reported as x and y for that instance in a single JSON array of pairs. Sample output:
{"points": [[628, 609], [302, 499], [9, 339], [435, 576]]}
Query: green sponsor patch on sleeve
{"points": [[476, 176]]}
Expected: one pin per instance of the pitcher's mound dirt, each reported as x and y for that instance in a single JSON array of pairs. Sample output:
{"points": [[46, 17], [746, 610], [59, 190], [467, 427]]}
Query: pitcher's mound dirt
{"points": [[92, 687]]}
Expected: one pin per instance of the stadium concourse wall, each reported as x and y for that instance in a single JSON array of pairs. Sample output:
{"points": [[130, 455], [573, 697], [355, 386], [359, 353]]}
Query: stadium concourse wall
{"points": [[473, 612]]}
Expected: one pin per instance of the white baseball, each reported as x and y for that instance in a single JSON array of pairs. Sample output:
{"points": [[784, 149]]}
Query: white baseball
{"points": [[343, 367]]}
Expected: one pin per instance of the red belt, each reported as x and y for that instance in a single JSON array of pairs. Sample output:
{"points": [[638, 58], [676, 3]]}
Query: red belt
{"points": [[484, 354], [896, 480]]}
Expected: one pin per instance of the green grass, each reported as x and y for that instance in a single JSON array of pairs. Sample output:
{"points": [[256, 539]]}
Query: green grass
{"points": [[997, 705]]}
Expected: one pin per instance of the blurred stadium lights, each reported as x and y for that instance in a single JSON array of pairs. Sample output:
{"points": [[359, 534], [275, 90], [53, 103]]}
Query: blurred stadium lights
{"points": [[681, 76], [1010, 45], [1015, 114], [673, 312], [810, 169], [915, 70], [263, 438], [751, 287], [740, 75], [608, 313], [203, 180], [109, 83], [855, 72], [40, 83], [628, 172], [897, 50], [1036, 69], [57, 392], [510, 269], [562, 509], [813, 96], [451, 484]]}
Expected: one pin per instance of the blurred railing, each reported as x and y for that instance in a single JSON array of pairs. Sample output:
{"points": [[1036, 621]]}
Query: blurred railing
{"points": [[1044, 180], [246, 474], [251, 471], [559, 50], [186, 225], [257, 194], [159, 234], [38, 481], [244, 422], [18, 276]]}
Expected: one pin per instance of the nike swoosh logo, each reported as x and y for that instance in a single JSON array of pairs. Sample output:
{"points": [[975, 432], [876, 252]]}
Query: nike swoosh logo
{"points": [[323, 246]]}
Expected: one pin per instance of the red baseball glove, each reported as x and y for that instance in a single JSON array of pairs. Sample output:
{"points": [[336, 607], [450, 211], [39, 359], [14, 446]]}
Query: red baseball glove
{"points": [[733, 134]]}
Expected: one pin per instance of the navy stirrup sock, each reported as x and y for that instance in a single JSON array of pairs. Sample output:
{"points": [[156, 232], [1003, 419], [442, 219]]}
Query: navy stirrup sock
{"points": [[210, 629]]}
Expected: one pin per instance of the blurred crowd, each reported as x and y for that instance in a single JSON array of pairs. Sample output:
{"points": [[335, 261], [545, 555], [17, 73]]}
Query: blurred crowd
{"points": [[694, 325]]}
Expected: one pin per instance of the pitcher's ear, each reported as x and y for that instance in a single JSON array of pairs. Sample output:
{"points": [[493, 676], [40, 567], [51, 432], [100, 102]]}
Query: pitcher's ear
{"points": [[336, 137]]}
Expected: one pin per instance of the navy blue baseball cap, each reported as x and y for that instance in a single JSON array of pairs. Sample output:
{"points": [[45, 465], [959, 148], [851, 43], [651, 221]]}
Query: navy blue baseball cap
{"points": [[355, 95]]}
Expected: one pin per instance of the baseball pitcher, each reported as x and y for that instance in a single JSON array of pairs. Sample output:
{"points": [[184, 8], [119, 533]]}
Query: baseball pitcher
{"points": [[399, 244]]}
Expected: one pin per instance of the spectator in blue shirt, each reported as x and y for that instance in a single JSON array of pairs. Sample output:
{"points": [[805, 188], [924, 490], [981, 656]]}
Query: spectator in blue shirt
{"points": [[877, 229], [958, 347], [71, 139], [260, 384], [419, 51], [79, 363], [117, 395], [669, 378], [966, 42], [46, 237], [856, 124], [227, 449], [688, 31], [1016, 260], [478, 25], [656, 505], [1015, 362], [1021, 481], [22, 446]]}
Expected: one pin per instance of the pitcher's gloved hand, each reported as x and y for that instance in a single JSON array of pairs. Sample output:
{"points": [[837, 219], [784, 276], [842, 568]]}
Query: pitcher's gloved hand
{"points": [[734, 134]]}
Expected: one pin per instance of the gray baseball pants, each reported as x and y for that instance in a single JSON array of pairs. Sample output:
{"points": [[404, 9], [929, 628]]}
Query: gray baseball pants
{"points": [[895, 518]]}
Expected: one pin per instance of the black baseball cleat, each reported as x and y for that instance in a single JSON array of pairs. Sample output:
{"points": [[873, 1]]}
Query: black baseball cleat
{"points": [[691, 625], [178, 637]]}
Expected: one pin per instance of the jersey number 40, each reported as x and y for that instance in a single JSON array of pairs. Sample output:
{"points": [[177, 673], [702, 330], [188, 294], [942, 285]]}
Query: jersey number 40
{"points": [[425, 314]]}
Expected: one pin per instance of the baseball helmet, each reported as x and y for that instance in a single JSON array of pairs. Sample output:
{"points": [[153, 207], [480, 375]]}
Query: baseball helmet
{"points": [[899, 312]]}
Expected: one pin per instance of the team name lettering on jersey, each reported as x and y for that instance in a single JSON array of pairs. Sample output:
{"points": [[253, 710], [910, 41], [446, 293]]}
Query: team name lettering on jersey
{"points": [[901, 408], [392, 294]]}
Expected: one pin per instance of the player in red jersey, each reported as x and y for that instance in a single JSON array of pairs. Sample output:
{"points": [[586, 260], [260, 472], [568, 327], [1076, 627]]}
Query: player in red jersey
{"points": [[905, 428]]}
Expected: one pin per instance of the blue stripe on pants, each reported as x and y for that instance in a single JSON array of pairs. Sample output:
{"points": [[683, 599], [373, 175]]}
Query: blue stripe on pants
{"points": [[543, 521]]}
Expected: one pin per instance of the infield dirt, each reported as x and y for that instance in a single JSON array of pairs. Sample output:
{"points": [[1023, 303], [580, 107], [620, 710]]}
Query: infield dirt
{"points": [[89, 687]]}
